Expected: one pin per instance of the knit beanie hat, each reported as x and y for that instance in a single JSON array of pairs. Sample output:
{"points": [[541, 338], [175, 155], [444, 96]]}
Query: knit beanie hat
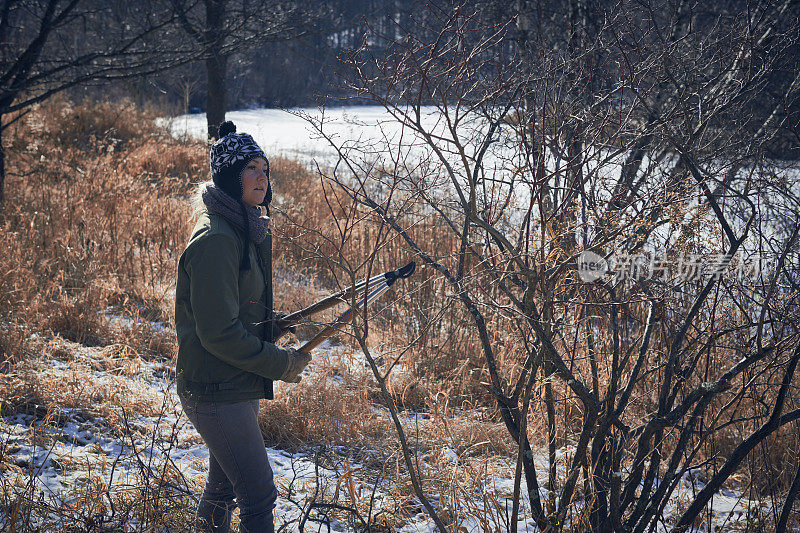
{"points": [[229, 155]]}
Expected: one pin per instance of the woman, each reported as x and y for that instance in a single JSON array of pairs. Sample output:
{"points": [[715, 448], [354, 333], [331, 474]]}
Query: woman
{"points": [[226, 329]]}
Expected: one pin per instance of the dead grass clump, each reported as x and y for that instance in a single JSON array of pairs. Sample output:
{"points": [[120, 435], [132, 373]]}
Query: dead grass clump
{"points": [[321, 411], [73, 318], [409, 393], [92, 124], [182, 163], [38, 385], [90, 234], [14, 344], [772, 469]]}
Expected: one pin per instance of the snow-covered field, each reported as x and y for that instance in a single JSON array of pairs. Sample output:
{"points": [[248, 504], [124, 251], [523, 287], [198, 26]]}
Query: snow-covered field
{"points": [[289, 133]]}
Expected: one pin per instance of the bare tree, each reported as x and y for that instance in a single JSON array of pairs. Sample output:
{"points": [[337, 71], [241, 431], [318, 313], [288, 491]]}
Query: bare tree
{"points": [[614, 130], [47, 46], [219, 28]]}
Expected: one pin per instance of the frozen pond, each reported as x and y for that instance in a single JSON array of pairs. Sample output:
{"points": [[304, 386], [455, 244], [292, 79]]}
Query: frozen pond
{"points": [[288, 132]]}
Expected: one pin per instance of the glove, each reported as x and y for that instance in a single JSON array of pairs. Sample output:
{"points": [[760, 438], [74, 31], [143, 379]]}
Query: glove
{"points": [[280, 316], [276, 331], [297, 362]]}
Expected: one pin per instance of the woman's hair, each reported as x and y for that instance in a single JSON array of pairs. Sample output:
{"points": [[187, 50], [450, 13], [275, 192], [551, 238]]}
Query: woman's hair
{"points": [[197, 203]]}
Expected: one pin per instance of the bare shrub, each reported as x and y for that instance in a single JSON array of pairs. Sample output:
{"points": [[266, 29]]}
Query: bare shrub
{"points": [[542, 138]]}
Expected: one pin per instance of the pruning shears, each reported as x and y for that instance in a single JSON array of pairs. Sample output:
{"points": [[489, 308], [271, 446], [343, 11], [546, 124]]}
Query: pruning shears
{"points": [[366, 291]]}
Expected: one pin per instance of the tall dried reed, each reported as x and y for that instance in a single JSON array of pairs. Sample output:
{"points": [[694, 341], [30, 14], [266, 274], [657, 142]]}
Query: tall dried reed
{"points": [[93, 223]]}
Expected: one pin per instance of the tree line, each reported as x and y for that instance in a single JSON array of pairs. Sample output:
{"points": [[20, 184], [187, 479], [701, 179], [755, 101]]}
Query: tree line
{"points": [[213, 55]]}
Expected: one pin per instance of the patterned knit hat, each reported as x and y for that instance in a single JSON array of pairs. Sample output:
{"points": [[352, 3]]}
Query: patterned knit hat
{"points": [[229, 155]]}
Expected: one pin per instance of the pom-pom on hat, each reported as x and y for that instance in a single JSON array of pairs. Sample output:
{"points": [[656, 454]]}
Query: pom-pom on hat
{"points": [[229, 155]]}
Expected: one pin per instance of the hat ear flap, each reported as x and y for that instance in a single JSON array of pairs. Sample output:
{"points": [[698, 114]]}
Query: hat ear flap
{"points": [[267, 197]]}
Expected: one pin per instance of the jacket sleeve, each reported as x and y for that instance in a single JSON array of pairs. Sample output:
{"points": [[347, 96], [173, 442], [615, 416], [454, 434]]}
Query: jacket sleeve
{"points": [[212, 264]]}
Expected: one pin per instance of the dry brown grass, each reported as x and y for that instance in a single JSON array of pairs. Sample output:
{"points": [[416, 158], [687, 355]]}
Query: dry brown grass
{"points": [[339, 405], [96, 381], [93, 222], [98, 390], [322, 235], [94, 219]]}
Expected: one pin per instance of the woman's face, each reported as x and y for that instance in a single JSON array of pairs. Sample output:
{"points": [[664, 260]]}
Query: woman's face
{"points": [[255, 181]]}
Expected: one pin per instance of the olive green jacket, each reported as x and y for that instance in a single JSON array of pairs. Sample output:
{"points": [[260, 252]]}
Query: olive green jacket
{"points": [[223, 317]]}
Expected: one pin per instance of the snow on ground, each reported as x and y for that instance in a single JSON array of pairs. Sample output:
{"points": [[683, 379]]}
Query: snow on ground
{"points": [[56, 451]]}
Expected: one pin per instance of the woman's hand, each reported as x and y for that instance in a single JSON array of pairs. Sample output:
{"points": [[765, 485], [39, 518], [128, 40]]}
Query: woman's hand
{"points": [[297, 362]]}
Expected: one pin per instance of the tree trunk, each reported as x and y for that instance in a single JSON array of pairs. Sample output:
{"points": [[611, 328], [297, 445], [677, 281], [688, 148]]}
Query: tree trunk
{"points": [[216, 68], [2, 167], [216, 65]]}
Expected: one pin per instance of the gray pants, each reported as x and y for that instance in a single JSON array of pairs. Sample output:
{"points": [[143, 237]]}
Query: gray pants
{"points": [[237, 467]]}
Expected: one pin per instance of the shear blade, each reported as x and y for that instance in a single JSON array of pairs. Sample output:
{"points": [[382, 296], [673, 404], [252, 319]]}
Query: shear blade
{"points": [[403, 272]]}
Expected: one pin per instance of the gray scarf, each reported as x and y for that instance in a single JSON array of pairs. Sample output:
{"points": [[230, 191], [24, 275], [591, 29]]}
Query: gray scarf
{"points": [[256, 226]]}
